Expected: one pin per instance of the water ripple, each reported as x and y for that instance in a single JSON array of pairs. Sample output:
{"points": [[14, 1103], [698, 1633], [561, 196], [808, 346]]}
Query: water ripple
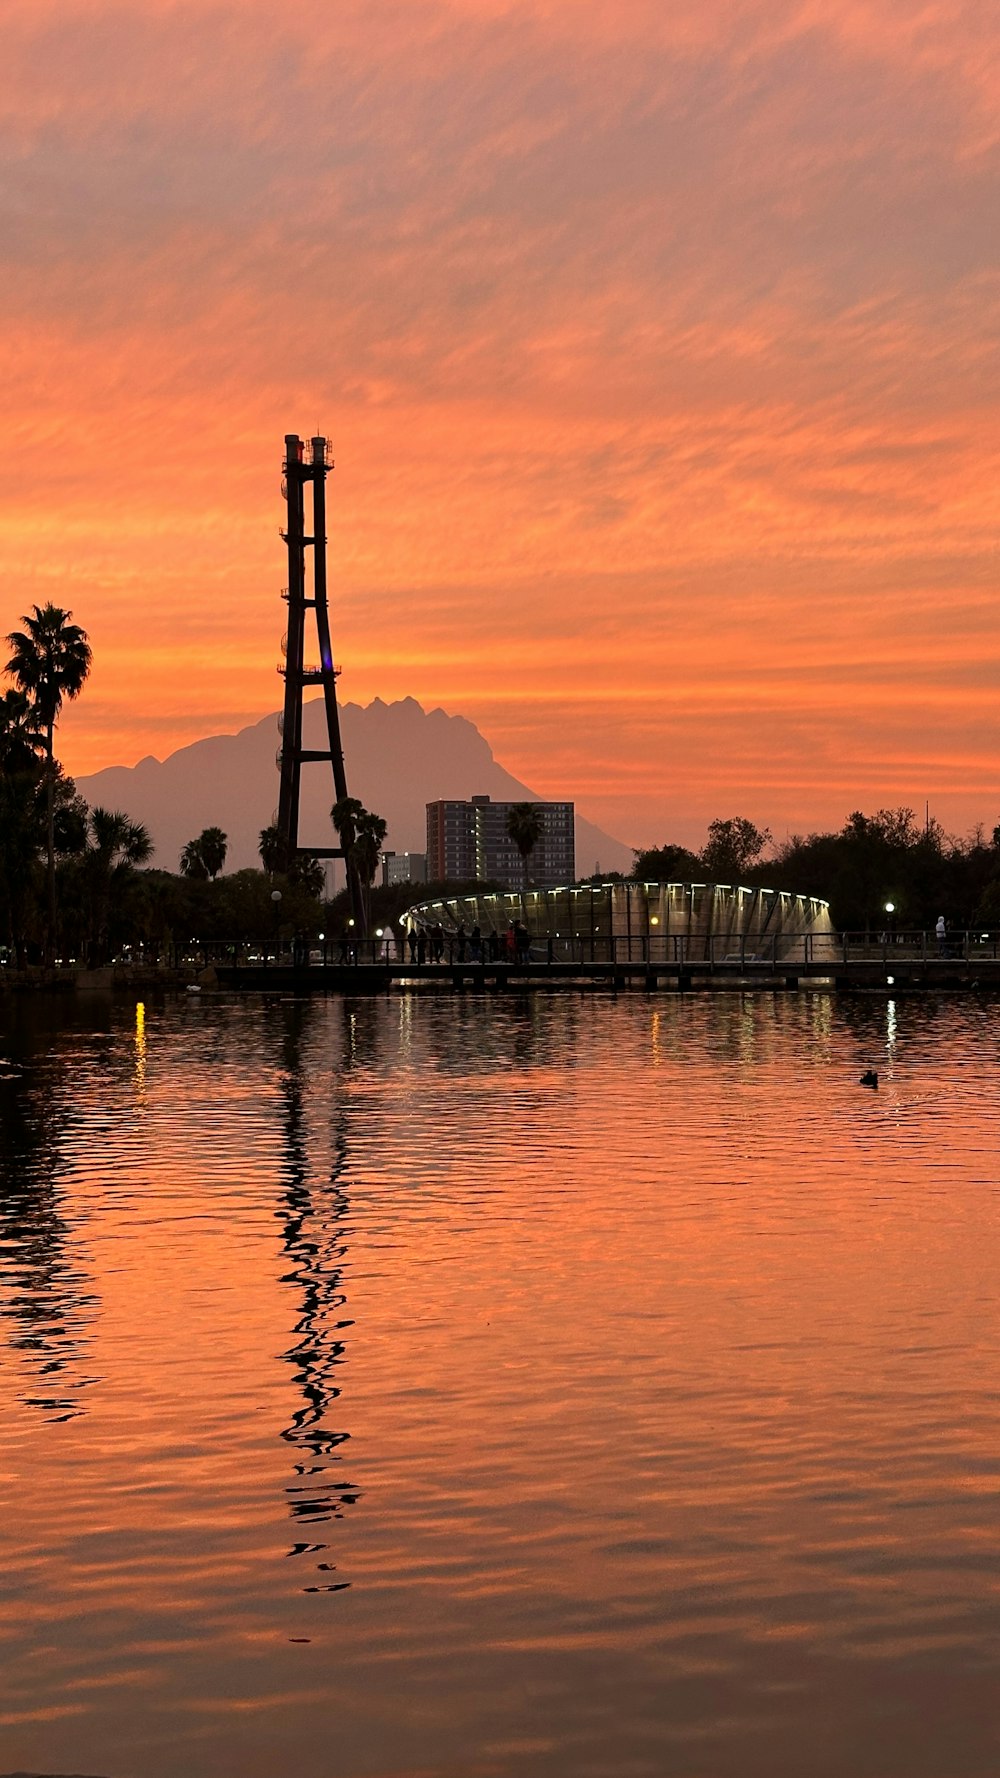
{"points": [[546, 1387]]}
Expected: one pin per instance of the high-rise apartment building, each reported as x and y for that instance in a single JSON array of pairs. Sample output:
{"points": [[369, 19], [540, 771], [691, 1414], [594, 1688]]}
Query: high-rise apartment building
{"points": [[469, 840]]}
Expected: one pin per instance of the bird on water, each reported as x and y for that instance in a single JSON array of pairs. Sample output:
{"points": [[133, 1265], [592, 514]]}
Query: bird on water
{"points": [[869, 1078]]}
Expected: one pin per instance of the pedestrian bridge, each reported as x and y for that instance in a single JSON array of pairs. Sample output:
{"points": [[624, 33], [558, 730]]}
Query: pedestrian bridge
{"points": [[904, 960]]}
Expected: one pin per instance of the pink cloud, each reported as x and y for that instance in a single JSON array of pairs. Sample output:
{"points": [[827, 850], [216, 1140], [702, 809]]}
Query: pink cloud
{"points": [[658, 345]]}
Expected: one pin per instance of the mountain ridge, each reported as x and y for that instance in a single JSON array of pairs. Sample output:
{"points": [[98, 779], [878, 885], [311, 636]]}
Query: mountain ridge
{"points": [[399, 757]]}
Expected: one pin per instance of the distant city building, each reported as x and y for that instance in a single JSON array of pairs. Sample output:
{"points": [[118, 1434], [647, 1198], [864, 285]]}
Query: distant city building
{"points": [[469, 840], [403, 867]]}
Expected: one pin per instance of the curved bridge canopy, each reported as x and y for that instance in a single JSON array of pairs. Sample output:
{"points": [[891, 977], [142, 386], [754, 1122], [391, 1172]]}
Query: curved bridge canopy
{"points": [[656, 915]]}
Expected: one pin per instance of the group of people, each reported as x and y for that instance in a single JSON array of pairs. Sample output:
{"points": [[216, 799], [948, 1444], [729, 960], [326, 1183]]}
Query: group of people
{"points": [[433, 944]]}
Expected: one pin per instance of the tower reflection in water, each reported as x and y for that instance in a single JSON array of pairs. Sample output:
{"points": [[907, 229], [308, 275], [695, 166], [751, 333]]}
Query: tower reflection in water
{"points": [[315, 1235]]}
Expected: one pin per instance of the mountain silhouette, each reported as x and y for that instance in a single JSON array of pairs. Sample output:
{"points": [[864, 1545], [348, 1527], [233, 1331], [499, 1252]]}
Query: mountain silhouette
{"points": [[399, 757]]}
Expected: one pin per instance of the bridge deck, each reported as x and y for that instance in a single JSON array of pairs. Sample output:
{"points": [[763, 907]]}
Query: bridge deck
{"points": [[381, 977]]}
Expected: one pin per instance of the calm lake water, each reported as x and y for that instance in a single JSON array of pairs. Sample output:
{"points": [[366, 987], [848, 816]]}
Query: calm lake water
{"points": [[465, 1388]]}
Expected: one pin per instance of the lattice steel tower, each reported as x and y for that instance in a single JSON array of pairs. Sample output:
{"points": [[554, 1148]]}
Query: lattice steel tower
{"points": [[304, 595]]}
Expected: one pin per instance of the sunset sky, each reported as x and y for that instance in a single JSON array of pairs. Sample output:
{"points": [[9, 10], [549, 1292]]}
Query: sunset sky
{"points": [[658, 345]]}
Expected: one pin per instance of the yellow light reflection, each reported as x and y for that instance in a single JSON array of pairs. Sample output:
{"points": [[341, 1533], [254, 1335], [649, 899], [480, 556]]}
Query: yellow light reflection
{"points": [[139, 1073]]}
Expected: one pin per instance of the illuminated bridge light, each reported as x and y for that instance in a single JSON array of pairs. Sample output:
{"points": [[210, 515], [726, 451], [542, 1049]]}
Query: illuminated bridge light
{"points": [[707, 919]]}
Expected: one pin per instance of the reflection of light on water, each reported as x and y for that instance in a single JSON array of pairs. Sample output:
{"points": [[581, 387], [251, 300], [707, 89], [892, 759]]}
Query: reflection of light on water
{"points": [[654, 1038], [139, 1075], [747, 1034], [890, 1030], [777, 1245]]}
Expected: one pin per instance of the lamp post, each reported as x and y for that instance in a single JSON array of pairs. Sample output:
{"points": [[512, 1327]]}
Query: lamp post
{"points": [[276, 904]]}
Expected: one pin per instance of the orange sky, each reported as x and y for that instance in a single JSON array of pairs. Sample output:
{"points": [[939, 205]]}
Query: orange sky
{"points": [[658, 346]]}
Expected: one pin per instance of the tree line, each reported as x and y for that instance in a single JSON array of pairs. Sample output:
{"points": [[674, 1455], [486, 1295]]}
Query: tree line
{"points": [[885, 869], [75, 881], [72, 880]]}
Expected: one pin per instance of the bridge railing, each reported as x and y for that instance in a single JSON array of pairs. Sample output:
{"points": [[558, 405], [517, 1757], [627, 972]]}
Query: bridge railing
{"points": [[967, 944], [749, 953]]}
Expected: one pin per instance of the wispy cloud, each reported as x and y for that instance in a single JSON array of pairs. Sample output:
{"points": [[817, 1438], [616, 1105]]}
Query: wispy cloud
{"points": [[658, 344]]}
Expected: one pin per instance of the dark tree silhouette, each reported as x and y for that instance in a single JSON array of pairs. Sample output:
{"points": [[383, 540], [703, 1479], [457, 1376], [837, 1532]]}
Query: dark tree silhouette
{"points": [[345, 815], [21, 741], [524, 827], [205, 857], [22, 818], [665, 864], [116, 846], [193, 864], [272, 850], [307, 873], [50, 661], [361, 836], [214, 846], [733, 848]]}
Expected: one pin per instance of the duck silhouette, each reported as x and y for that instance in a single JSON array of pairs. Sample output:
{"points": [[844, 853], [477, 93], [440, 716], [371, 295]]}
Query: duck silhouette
{"points": [[869, 1078]]}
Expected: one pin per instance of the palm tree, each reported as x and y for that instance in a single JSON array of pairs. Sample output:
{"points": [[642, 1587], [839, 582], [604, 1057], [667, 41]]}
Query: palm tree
{"points": [[524, 827], [365, 853], [307, 873], [345, 815], [115, 847], [361, 835], [214, 846], [22, 823], [272, 849], [50, 662], [192, 863], [205, 856], [20, 739]]}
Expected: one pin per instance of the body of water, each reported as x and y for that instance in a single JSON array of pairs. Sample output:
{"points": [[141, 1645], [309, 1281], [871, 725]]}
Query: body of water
{"points": [[445, 1387]]}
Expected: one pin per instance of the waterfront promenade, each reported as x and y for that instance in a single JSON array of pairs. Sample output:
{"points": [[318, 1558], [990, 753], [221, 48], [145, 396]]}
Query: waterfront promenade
{"points": [[844, 961], [912, 960]]}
